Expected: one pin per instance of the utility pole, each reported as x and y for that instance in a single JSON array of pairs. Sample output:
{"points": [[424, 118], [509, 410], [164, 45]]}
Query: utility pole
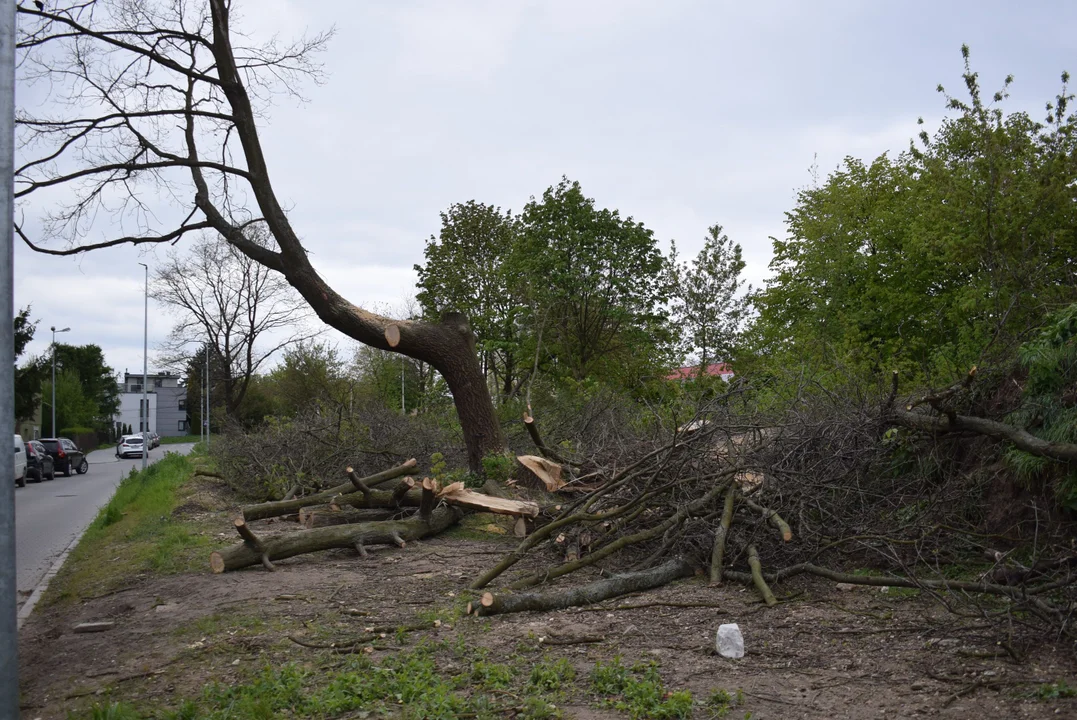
{"points": [[9, 645], [52, 428], [208, 411], [145, 370]]}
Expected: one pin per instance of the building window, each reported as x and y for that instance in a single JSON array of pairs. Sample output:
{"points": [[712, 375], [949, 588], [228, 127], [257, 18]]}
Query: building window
{"points": [[183, 405], [158, 382], [183, 426]]}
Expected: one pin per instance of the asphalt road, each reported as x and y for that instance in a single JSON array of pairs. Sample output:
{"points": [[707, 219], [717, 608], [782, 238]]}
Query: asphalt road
{"points": [[50, 515]]}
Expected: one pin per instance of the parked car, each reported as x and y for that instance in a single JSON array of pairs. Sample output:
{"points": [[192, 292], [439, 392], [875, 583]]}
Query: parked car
{"points": [[66, 455], [39, 464], [130, 446], [155, 440], [20, 462]]}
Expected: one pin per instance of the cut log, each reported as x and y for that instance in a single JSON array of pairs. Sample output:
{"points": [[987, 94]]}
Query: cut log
{"points": [[402, 489], [757, 577], [324, 516], [520, 528], [547, 472], [392, 335], [429, 499], [457, 494], [284, 507], [720, 535], [491, 604], [387, 532], [1021, 438]]}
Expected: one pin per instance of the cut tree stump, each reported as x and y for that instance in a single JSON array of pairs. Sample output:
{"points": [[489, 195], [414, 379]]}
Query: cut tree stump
{"points": [[385, 532], [547, 473], [491, 604]]}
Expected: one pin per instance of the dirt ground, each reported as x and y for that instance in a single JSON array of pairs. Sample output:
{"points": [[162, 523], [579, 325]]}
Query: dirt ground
{"points": [[822, 653]]}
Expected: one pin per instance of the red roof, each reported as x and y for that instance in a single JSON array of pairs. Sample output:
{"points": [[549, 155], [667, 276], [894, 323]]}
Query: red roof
{"points": [[692, 371]]}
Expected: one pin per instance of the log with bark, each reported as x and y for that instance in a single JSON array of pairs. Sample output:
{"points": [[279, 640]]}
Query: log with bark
{"points": [[491, 604], [457, 494], [276, 508], [325, 515], [386, 532]]}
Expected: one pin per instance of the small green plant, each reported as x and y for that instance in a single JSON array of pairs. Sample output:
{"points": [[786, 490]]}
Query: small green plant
{"points": [[549, 676], [721, 702], [491, 676], [639, 691], [498, 466], [1055, 691], [537, 708]]}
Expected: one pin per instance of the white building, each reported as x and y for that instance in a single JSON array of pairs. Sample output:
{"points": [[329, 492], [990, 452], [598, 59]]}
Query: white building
{"points": [[167, 404]]}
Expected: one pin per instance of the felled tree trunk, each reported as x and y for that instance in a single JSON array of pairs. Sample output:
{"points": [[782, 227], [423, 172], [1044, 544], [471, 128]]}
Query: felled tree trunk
{"points": [[491, 604], [326, 516], [277, 508], [254, 550]]}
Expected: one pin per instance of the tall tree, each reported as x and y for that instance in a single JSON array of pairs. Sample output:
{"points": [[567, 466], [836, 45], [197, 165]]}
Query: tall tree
{"points": [[29, 377], [710, 300], [164, 106], [245, 311], [466, 271], [933, 260], [596, 286], [86, 364]]}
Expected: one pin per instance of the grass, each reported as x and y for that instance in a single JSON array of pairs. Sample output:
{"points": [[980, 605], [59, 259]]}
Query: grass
{"points": [[175, 440], [134, 533], [437, 681]]}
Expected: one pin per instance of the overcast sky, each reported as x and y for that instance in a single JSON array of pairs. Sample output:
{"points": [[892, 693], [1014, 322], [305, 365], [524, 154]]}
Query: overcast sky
{"points": [[679, 113]]}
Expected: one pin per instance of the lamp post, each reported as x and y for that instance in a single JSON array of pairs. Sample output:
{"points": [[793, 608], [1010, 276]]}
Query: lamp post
{"points": [[145, 371], [54, 331]]}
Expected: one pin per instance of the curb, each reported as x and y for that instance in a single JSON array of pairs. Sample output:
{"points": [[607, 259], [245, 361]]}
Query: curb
{"points": [[43, 584]]}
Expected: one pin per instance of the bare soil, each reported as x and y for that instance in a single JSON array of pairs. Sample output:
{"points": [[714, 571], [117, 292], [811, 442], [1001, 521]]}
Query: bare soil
{"points": [[822, 653]]}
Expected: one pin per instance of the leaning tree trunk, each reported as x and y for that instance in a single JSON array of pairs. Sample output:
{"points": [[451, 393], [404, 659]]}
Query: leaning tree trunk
{"points": [[448, 345]]}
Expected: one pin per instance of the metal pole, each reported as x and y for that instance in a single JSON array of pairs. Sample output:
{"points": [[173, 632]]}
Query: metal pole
{"points": [[9, 646], [209, 410], [201, 407], [52, 426], [145, 369]]}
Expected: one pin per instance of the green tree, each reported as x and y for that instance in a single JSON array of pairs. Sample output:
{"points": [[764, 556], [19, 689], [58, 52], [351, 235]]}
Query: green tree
{"points": [[939, 258], [97, 380], [710, 299], [595, 286], [29, 377], [73, 407], [310, 372], [466, 271]]}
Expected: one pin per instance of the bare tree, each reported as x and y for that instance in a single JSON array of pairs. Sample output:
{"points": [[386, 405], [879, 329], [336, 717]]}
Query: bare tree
{"points": [[158, 132], [226, 299]]}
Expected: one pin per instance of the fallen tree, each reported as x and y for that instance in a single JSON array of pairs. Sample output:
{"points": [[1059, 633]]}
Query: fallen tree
{"points": [[277, 508], [254, 550]]}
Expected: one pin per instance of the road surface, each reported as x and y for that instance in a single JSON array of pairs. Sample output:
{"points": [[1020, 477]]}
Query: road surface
{"points": [[50, 515]]}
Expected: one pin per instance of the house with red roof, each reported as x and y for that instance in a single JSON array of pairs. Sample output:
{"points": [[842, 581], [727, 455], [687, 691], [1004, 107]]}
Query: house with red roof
{"points": [[691, 372]]}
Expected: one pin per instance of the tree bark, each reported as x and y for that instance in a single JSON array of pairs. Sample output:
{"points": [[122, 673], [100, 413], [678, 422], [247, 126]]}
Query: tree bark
{"points": [[388, 532], [261, 511], [1021, 439], [594, 592]]}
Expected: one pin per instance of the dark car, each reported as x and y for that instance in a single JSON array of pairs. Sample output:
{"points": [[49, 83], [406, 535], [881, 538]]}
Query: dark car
{"points": [[66, 455], [39, 464]]}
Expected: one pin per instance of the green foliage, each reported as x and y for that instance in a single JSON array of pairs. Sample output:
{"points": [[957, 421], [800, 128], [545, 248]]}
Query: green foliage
{"points": [[926, 261], [73, 407], [29, 377], [100, 394], [310, 372], [1049, 403], [467, 272], [491, 676], [499, 466], [710, 302], [111, 711], [639, 691]]}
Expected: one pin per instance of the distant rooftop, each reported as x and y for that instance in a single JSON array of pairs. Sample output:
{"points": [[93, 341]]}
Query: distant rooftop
{"points": [[722, 370]]}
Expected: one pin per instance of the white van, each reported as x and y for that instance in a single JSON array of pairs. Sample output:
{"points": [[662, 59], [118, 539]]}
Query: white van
{"points": [[20, 461]]}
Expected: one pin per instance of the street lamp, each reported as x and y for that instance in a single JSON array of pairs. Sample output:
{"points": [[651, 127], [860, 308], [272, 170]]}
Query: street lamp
{"points": [[54, 331], [145, 372]]}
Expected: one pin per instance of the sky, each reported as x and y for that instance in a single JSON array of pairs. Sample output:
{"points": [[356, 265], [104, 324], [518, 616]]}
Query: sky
{"points": [[680, 114]]}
